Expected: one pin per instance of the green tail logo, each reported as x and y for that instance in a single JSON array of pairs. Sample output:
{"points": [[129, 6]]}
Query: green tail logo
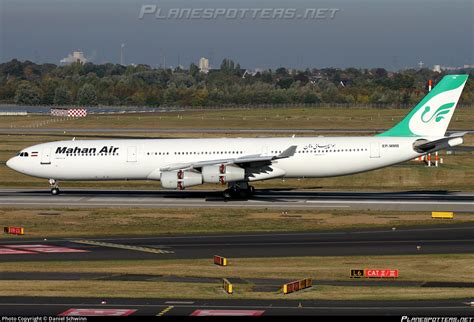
{"points": [[431, 116], [439, 114]]}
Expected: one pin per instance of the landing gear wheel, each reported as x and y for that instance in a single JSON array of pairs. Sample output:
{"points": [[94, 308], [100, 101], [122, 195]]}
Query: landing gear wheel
{"points": [[243, 194], [236, 193], [227, 194], [55, 191], [231, 193], [251, 190], [54, 187]]}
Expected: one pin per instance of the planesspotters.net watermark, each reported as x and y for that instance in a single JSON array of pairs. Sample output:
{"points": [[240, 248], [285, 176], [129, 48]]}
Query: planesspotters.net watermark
{"points": [[150, 11], [437, 319]]}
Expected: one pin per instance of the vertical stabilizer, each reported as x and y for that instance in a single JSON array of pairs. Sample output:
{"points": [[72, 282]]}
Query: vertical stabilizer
{"points": [[432, 115]]}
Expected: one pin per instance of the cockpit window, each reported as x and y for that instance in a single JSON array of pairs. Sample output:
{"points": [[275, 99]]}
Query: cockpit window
{"points": [[22, 154]]}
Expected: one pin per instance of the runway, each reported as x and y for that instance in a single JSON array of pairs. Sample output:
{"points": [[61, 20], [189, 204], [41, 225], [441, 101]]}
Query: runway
{"points": [[274, 199], [454, 238], [48, 306]]}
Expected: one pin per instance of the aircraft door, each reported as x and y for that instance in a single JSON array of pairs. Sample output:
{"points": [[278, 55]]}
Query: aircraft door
{"points": [[132, 154], [375, 150], [46, 156]]}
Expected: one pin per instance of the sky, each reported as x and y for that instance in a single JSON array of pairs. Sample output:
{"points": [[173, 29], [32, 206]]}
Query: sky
{"points": [[361, 34]]}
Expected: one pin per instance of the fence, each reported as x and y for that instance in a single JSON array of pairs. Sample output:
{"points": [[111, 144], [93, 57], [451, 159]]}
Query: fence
{"points": [[171, 108]]}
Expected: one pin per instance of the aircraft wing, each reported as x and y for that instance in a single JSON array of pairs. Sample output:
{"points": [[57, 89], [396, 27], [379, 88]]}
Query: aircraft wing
{"points": [[444, 143], [240, 160]]}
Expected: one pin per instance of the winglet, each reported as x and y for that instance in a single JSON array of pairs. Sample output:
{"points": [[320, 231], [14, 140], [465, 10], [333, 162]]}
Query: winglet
{"points": [[447, 142], [287, 153]]}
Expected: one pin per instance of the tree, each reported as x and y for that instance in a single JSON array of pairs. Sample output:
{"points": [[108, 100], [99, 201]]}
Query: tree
{"points": [[285, 82], [27, 94], [301, 77], [380, 73], [110, 84], [12, 68], [311, 98], [229, 67], [87, 95], [48, 88], [171, 95], [199, 98], [193, 70], [281, 71], [224, 65], [62, 96]]}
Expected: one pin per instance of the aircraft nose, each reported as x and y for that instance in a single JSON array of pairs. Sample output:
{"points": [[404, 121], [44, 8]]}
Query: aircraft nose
{"points": [[11, 163]]}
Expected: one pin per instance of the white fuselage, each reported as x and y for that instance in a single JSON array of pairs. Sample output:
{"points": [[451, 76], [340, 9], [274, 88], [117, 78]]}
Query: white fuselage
{"points": [[141, 159]]}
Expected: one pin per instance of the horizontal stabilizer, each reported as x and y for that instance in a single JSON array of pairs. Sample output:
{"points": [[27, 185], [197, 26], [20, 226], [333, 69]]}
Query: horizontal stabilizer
{"points": [[441, 144]]}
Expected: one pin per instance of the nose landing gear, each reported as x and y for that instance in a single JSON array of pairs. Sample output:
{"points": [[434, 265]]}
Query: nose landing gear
{"points": [[54, 187]]}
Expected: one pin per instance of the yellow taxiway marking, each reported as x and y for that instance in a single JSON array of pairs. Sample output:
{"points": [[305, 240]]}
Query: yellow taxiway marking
{"points": [[169, 308], [121, 246]]}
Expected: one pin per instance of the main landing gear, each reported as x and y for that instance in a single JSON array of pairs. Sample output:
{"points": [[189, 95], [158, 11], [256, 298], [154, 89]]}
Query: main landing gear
{"points": [[239, 190], [54, 187]]}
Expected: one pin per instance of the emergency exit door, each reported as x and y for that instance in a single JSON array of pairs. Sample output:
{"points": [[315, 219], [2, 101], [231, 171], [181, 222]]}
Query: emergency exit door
{"points": [[375, 150], [46, 156]]}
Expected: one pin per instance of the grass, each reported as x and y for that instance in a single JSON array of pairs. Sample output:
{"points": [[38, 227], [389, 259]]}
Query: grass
{"points": [[308, 118], [452, 267], [426, 268], [68, 222], [112, 289]]}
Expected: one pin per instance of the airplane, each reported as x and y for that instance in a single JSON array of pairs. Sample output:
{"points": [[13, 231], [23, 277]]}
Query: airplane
{"points": [[237, 162]]}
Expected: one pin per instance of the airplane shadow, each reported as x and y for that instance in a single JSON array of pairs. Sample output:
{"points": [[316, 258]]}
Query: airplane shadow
{"points": [[260, 194]]}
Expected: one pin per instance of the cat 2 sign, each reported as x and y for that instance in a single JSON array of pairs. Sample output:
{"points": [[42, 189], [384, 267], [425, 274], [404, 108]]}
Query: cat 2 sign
{"points": [[374, 273], [381, 273]]}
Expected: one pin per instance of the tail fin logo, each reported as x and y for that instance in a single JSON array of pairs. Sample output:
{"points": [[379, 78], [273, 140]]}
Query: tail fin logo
{"points": [[433, 117], [439, 114]]}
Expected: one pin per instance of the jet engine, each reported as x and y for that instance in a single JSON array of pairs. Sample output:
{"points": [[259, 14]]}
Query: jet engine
{"points": [[221, 173], [180, 179]]}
